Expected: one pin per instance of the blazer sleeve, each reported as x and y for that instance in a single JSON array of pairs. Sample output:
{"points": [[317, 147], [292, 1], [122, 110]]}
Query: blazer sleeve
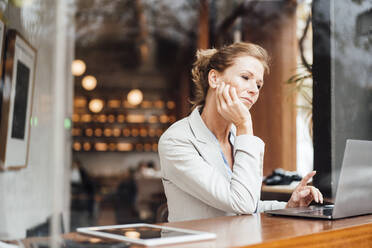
{"points": [[183, 166], [270, 205]]}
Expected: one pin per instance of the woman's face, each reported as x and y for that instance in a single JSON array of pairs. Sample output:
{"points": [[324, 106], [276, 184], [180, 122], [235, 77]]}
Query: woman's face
{"points": [[246, 75]]}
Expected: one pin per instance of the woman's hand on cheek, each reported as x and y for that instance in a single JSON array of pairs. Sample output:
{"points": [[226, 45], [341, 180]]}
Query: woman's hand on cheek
{"points": [[232, 109]]}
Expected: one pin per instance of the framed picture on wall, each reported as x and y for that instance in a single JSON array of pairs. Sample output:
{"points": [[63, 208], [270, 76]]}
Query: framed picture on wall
{"points": [[19, 73]]}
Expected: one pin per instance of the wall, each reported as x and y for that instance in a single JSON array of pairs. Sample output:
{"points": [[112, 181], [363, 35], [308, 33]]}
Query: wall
{"points": [[274, 114], [26, 195]]}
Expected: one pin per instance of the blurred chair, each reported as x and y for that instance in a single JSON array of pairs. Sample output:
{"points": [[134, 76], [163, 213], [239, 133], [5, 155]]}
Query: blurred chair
{"points": [[149, 192], [125, 202], [84, 204]]}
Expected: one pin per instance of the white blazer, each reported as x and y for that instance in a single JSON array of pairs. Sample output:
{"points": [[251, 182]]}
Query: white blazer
{"points": [[199, 184]]}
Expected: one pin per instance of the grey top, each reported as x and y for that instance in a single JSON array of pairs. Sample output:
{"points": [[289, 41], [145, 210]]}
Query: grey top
{"points": [[197, 181]]}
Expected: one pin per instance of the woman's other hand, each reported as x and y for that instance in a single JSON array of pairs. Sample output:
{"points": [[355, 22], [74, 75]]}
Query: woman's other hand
{"points": [[232, 109], [303, 195]]}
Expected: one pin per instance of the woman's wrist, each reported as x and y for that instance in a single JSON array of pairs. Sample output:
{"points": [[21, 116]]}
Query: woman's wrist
{"points": [[244, 128]]}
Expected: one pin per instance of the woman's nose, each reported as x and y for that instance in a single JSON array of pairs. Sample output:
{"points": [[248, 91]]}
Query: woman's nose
{"points": [[253, 88]]}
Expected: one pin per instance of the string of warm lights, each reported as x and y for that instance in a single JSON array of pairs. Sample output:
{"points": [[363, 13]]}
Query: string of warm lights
{"points": [[120, 118], [78, 67], [89, 82], [81, 102]]}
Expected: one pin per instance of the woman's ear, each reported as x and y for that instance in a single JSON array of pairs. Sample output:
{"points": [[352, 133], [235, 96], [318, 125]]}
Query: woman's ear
{"points": [[213, 78]]}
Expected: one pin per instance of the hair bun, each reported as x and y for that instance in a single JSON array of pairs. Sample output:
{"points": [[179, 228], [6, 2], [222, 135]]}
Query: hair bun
{"points": [[203, 56]]}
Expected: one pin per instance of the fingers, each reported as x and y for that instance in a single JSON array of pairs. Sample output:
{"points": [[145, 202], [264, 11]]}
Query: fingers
{"points": [[295, 197], [226, 95], [230, 106], [319, 195], [305, 180], [234, 95], [315, 194], [220, 99], [303, 196], [220, 88], [300, 198], [304, 193], [306, 197], [307, 200]]}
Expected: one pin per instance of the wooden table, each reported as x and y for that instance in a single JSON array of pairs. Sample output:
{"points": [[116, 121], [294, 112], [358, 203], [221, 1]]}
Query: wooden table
{"points": [[268, 231], [262, 230]]}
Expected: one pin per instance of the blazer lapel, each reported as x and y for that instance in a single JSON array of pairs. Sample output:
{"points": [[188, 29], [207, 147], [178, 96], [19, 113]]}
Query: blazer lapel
{"points": [[207, 144]]}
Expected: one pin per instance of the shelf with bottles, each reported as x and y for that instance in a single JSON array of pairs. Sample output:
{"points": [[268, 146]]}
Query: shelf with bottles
{"points": [[117, 132], [119, 126], [83, 104], [120, 119], [117, 146]]}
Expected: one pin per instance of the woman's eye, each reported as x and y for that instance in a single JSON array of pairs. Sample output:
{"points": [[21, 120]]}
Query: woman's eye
{"points": [[245, 77]]}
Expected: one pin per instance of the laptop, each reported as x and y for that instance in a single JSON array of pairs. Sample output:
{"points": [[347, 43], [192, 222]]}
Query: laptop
{"points": [[354, 191]]}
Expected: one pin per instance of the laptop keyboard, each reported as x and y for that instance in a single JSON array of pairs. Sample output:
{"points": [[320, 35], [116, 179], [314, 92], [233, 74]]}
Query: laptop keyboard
{"points": [[327, 211]]}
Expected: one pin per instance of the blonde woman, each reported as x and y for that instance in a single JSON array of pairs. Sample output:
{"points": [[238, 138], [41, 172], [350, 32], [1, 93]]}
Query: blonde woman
{"points": [[211, 162]]}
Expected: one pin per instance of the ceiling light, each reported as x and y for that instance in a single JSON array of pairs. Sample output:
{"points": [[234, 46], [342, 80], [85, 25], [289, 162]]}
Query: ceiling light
{"points": [[78, 67], [89, 82], [96, 105], [135, 97]]}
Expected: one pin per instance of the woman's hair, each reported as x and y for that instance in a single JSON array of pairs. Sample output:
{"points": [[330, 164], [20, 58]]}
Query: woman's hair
{"points": [[220, 59]]}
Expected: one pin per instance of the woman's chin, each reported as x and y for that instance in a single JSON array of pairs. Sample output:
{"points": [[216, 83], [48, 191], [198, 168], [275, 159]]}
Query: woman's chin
{"points": [[248, 105]]}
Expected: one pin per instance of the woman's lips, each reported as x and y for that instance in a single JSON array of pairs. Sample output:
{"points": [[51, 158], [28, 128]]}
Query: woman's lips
{"points": [[247, 99]]}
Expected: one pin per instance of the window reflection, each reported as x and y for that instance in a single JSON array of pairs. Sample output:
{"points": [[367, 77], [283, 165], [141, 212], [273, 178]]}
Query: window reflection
{"points": [[149, 45]]}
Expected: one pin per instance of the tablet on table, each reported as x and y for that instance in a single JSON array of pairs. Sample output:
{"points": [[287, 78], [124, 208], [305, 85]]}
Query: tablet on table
{"points": [[147, 234]]}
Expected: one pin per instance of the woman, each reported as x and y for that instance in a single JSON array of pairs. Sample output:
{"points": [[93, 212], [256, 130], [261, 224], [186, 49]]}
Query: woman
{"points": [[211, 162]]}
